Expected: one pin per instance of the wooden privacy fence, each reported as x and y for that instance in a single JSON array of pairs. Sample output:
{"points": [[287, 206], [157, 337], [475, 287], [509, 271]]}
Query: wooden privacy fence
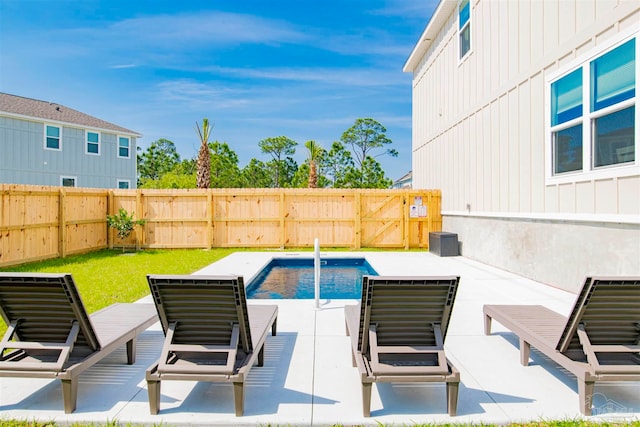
{"points": [[47, 222]]}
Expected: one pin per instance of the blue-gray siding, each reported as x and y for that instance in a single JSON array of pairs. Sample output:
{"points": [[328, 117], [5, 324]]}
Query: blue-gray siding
{"points": [[24, 160]]}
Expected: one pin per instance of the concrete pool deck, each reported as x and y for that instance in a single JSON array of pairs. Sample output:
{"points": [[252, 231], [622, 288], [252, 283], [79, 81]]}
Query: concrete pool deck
{"points": [[308, 379]]}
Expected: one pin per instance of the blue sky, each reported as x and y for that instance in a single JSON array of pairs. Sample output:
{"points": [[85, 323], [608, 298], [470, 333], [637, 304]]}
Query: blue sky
{"points": [[256, 69]]}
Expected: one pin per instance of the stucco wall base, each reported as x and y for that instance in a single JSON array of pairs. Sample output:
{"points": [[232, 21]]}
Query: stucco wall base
{"points": [[557, 253]]}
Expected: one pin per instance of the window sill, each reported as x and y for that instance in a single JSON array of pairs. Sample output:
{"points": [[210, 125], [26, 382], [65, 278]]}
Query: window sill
{"points": [[632, 169]]}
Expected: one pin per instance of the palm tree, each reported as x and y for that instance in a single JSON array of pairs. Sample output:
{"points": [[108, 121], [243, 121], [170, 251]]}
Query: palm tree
{"points": [[203, 163], [314, 150]]}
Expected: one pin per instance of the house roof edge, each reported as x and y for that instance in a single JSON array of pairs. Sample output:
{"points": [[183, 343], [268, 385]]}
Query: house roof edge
{"points": [[438, 19], [23, 107]]}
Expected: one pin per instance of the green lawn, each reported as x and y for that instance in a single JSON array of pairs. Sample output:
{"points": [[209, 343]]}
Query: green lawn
{"points": [[109, 276]]}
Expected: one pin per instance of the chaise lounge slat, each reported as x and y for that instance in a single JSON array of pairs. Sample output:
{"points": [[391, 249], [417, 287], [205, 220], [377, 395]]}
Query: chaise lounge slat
{"points": [[397, 333], [45, 310], [599, 341], [211, 333]]}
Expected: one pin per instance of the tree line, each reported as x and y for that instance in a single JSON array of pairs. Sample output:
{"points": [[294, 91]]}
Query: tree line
{"points": [[348, 163]]}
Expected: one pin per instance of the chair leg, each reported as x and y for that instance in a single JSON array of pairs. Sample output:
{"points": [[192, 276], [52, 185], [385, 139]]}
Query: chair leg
{"points": [[238, 397], [525, 351], [131, 351], [487, 325], [452, 398], [69, 395], [153, 388], [366, 399], [585, 396]]}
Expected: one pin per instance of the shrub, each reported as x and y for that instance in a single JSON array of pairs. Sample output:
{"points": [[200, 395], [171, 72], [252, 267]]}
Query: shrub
{"points": [[124, 223]]}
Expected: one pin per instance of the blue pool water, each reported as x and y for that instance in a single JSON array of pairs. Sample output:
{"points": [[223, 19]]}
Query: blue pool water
{"points": [[340, 278]]}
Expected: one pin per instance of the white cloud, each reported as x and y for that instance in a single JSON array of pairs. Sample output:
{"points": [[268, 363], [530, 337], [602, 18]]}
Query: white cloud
{"points": [[167, 38], [206, 27], [411, 9], [200, 95], [367, 43], [122, 66], [349, 76]]}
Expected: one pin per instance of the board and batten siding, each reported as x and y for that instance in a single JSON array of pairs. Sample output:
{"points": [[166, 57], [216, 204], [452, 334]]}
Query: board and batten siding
{"points": [[479, 126], [24, 160]]}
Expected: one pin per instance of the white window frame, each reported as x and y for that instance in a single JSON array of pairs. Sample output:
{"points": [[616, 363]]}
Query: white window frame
{"points": [[86, 143], [74, 178], [59, 137], [118, 147], [461, 59], [589, 172], [128, 181]]}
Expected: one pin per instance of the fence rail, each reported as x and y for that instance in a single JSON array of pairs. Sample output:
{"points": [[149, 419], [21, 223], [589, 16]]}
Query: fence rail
{"points": [[47, 222]]}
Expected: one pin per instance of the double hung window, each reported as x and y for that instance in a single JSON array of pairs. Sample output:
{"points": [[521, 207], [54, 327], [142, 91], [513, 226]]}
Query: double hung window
{"points": [[124, 145], [593, 113], [464, 27], [613, 92], [52, 137], [93, 143], [566, 119]]}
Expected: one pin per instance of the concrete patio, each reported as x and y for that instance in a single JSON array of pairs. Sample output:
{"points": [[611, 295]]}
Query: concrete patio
{"points": [[308, 379]]}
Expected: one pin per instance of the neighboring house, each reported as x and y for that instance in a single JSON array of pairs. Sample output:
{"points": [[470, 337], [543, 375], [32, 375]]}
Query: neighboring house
{"points": [[525, 116], [404, 182], [49, 144]]}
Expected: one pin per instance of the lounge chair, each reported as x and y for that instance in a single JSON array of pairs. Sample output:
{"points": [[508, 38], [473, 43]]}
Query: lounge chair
{"points": [[50, 335], [599, 341], [398, 331], [211, 334]]}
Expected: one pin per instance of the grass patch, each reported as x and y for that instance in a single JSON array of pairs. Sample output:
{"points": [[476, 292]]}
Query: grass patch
{"points": [[108, 276]]}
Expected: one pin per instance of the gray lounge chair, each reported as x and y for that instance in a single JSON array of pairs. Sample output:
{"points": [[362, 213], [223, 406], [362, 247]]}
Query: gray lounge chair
{"points": [[599, 341], [398, 331], [50, 335], [211, 334]]}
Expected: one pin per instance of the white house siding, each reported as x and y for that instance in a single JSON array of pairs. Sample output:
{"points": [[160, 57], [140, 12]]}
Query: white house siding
{"points": [[23, 159], [479, 136]]}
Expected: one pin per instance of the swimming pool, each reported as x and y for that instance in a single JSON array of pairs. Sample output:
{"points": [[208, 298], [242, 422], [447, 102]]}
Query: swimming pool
{"points": [[285, 278]]}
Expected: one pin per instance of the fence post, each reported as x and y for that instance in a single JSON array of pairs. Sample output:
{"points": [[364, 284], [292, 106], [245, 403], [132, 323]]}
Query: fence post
{"points": [[358, 220], [62, 224], [140, 236], [405, 223], [283, 231], [209, 219], [429, 214], [110, 206]]}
